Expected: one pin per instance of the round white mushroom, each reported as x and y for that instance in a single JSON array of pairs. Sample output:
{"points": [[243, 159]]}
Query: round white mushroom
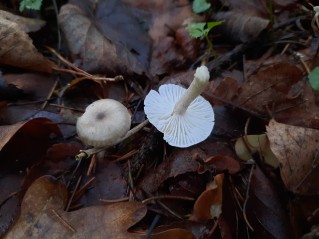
{"points": [[183, 116], [103, 123]]}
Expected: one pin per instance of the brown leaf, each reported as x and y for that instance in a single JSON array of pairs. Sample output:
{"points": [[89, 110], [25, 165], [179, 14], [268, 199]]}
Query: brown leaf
{"points": [[208, 204], [42, 216], [180, 162], [39, 127], [108, 36], [265, 211], [17, 49], [21, 146], [241, 27], [297, 151], [24, 23]]}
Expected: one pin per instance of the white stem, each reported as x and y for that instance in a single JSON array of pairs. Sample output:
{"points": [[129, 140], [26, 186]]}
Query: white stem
{"points": [[198, 85]]}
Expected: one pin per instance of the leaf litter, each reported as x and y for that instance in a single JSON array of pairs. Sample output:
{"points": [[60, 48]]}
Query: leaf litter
{"points": [[254, 177]]}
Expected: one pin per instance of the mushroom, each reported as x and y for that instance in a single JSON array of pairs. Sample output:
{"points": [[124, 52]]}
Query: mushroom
{"points": [[183, 116], [104, 123]]}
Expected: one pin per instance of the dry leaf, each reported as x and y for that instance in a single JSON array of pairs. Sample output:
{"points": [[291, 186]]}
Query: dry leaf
{"points": [[17, 49], [297, 151], [209, 203], [42, 216], [108, 36], [24, 23], [241, 27]]}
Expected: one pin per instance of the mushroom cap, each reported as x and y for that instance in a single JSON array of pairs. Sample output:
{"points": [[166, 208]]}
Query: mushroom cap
{"points": [[184, 130], [103, 123]]}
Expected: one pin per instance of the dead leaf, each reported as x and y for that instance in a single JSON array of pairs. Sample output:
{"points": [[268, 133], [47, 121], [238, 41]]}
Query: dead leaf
{"points": [[208, 204], [297, 151], [42, 216], [265, 210], [17, 49], [24, 23], [21, 146], [180, 162], [108, 36], [219, 164], [241, 27]]}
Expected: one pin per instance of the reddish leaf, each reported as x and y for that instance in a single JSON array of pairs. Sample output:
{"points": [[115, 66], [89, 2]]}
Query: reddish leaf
{"points": [[208, 204]]}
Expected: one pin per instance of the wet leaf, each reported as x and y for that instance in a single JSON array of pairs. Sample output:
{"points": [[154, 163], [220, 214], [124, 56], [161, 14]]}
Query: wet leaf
{"points": [[42, 215], [17, 49], [297, 151]]}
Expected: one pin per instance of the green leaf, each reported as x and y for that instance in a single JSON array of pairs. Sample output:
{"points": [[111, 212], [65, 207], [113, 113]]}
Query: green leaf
{"points": [[30, 4], [211, 25], [196, 29], [200, 6], [314, 78]]}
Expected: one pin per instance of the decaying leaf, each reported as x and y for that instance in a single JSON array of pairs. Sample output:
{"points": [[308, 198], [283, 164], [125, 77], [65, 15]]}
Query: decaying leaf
{"points": [[42, 216], [24, 23], [264, 210], [241, 27], [180, 162], [107, 35], [209, 203], [17, 49], [297, 150]]}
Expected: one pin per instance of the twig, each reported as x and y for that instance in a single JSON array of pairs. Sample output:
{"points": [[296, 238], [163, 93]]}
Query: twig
{"points": [[167, 197], [247, 197], [89, 152], [114, 200], [73, 193], [81, 191], [63, 222]]}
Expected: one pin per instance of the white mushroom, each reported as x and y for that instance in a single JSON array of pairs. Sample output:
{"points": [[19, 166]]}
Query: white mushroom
{"points": [[104, 123], [183, 116]]}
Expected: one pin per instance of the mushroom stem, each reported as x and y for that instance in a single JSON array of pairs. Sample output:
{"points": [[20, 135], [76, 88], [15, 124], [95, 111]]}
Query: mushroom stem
{"points": [[198, 85], [89, 152]]}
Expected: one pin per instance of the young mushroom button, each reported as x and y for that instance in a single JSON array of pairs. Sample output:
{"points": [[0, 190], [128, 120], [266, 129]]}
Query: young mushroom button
{"points": [[183, 116], [103, 123]]}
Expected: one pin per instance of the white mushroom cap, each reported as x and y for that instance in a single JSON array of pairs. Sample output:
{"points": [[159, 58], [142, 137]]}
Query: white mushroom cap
{"points": [[103, 123], [180, 130]]}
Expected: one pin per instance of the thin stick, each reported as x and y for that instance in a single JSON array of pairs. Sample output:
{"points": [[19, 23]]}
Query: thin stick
{"points": [[89, 152], [81, 191], [91, 166], [73, 193], [114, 200], [247, 197], [63, 222], [167, 197]]}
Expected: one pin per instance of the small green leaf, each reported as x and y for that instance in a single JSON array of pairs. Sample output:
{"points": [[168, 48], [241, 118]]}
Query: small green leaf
{"points": [[30, 4], [211, 25], [200, 6], [196, 29], [314, 78]]}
